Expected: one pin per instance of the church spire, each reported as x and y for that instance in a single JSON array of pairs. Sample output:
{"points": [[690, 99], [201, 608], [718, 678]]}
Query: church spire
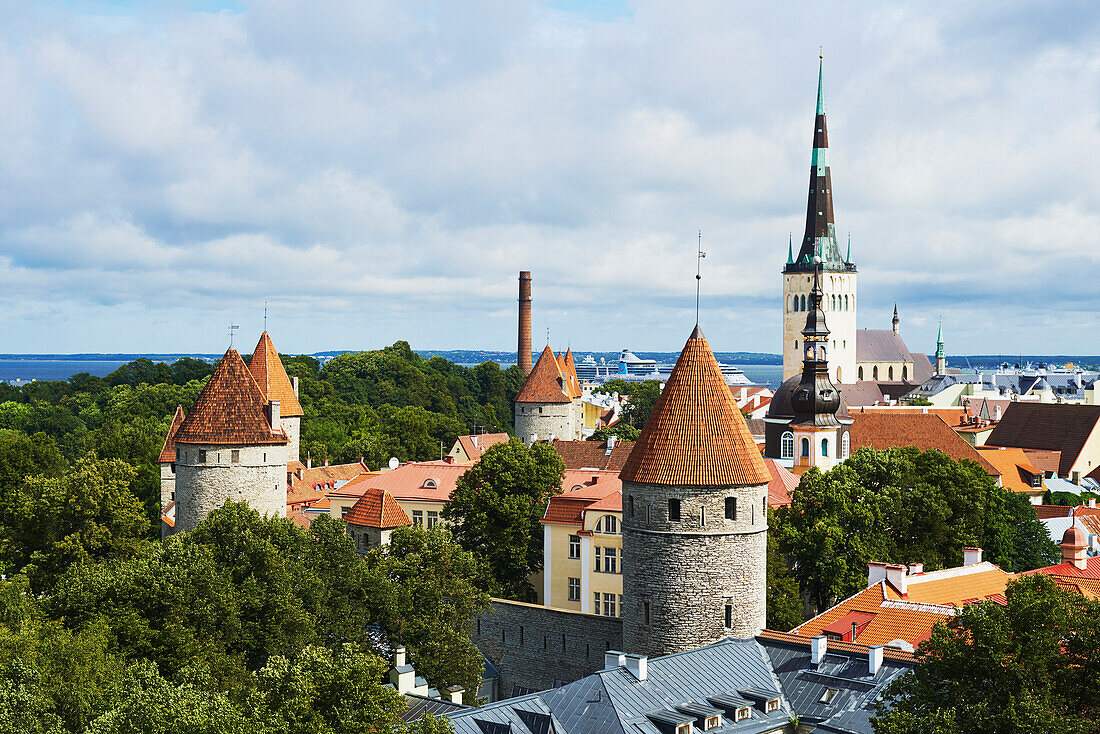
{"points": [[815, 400], [941, 358], [819, 240]]}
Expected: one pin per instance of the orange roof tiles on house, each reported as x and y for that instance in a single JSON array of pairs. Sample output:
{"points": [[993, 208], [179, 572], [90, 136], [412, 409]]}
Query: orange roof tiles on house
{"points": [[328, 476], [583, 491], [168, 451], [377, 509], [593, 454], [1045, 512], [475, 446], [951, 416], [1044, 459], [885, 616], [230, 411], [695, 434], [271, 376], [925, 431], [545, 384], [783, 480], [1015, 468], [1066, 569], [299, 518], [423, 481], [302, 496]]}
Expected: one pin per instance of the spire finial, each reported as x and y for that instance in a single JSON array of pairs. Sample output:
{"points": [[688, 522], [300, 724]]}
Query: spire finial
{"points": [[265, 315], [790, 247], [699, 255], [848, 259], [820, 83], [232, 330]]}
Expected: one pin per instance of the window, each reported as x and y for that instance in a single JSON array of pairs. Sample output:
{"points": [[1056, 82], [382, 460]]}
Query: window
{"points": [[596, 608], [729, 615], [824, 447], [429, 484], [731, 508], [630, 504], [890, 372], [609, 605], [574, 546], [806, 448], [344, 510], [645, 612], [828, 695], [620, 605], [599, 562], [845, 446], [874, 373], [235, 456], [742, 713], [786, 446], [712, 722], [764, 507], [674, 509], [683, 728], [702, 516], [574, 589], [540, 410], [418, 518], [861, 373], [904, 372], [433, 519], [611, 560], [178, 455], [771, 705], [608, 524], [202, 456]]}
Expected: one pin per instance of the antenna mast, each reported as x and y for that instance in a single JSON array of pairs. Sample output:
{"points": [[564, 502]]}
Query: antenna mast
{"points": [[232, 330], [699, 255]]}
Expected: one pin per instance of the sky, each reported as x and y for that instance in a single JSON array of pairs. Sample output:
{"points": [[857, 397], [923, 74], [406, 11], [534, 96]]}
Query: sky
{"points": [[376, 171]]}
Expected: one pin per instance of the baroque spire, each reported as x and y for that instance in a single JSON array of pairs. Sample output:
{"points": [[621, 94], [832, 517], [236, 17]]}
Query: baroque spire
{"points": [[815, 400]]}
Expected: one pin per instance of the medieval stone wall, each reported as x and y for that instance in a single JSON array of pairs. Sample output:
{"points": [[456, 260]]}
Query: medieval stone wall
{"points": [[258, 477], [535, 647], [536, 421], [687, 571], [293, 429]]}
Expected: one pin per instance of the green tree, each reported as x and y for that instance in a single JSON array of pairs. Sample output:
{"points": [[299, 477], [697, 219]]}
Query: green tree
{"points": [[1028, 666], [621, 431], [642, 397], [496, 508], [784, 601]]}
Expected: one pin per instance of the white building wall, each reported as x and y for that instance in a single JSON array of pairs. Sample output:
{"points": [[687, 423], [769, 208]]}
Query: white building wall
{"points": [[258, 478], [841, 321], [293, 429]]}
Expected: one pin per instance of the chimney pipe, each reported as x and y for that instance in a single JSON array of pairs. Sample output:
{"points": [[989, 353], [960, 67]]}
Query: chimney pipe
{"points": [[875, 572], [895, 574], [613, 659], [456, 692], [916, 568], [399, 656], [855, 630], [637, 666], [972, 556], [523, 356], [874, 659], [818, 646]]}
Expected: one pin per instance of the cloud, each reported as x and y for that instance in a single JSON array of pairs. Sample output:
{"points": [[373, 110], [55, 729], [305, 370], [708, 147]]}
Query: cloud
{"points": [[377, 171]]}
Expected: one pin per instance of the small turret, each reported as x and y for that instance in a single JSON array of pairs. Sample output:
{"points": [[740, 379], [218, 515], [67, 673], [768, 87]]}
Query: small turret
{"points": [[896, 322], [941, 360]]}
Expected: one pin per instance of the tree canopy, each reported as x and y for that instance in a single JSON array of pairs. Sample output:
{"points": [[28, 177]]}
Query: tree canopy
{"points": [[496, 508], [1028, 666], [902, 505], [643, 396]]}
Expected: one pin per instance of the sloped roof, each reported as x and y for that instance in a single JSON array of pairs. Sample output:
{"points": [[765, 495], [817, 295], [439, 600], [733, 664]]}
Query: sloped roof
{"points": [[879, 430], [570, 373], [922, 367], [1016, 471], [593, 454], [168, 451], [230, 410], [377, 509], [545, 384], [329, 475], [582, 491], [881, 345], [783, 480], [1053, 426], [695, 434], [475, 446], [271, 376], [1044, 459], [412, 481], [299, 518], [1067, 570], [1044, 512]]}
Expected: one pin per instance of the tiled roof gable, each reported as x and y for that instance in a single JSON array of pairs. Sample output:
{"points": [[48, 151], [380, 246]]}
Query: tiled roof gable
{"points": [[270, 375], [230, 410], [695, 434], [168, 451], [1051, 426], [546, 383], [377, 509]]}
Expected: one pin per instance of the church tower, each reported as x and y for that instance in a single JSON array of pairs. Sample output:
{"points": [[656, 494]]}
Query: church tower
{"points": [[941, 358], [838, 281], [695, 523]]}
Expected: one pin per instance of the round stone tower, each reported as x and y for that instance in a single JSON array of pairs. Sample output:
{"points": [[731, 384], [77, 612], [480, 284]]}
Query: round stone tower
{"points": [[230, 447], [545, 405], [695, 522]]}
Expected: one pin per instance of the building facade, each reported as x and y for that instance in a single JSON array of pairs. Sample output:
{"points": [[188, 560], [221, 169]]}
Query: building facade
{"points": [[549, 404]]}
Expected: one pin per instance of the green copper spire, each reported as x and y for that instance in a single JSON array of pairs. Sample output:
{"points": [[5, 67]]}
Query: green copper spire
{"points": [[848, 259], [820, 85], [939, 340], [790, 251]]}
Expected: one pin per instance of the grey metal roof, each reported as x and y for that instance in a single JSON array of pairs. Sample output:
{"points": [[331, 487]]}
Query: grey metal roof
{"points": [[420, 705], [881, 345]]}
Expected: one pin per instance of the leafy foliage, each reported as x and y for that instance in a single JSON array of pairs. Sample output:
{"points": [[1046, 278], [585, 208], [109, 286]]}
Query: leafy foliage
{"points": [[622, 431], [496, 508], [1029, 666], [643, 396], [902, 506]]}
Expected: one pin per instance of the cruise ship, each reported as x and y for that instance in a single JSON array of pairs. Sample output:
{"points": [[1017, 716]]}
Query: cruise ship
{"points": [[632, 367]]}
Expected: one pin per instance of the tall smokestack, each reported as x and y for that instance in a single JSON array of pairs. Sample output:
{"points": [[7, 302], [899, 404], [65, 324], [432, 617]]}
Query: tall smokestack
{"points": [[523, 356]]}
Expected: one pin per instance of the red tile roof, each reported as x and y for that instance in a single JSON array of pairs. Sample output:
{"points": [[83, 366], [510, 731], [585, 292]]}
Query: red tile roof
{"points": [[783, 480], [582, 491], [475, 446], [230, 411], [545, 384], [570, 373], [377, 509], [925, 431], [1044, 459], [412, 481], [695, 434], [168, 451], [1045, 512], [1066, 570], [329, 475], [593, 454], [270, 375], [299, 518], [1051, 426]]}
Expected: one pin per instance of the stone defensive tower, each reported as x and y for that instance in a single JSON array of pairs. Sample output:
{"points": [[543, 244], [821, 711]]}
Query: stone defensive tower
{"points": [[548, 404], [838, 280], [523, 349], [695, 523], [274, 384], [230, 447]]}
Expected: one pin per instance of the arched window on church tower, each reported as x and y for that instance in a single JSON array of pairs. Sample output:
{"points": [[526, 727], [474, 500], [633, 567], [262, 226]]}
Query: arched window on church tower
{"points": [[803, 307], [786, 446], [874, 373], [845, 303], [890, 372], [824, 447], [845, 446], [904, 372], [805, 448], [861, 373]]}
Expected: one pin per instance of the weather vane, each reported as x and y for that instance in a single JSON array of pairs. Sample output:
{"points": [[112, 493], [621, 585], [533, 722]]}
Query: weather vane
{"points": [[699, 255], [232, 330], [265, 315]]}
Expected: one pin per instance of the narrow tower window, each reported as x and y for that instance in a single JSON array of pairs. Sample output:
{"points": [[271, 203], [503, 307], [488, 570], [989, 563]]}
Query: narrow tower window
{"points": [[731, 508], [805, 448], [674, 509], [729, 615], [824, 447], [645, 612]]}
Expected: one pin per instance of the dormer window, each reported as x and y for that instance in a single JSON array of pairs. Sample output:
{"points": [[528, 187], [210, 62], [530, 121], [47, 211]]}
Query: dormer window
{"points": [[429, 484], [771, 705], [684, 728], [712, 722], [743, 713]]}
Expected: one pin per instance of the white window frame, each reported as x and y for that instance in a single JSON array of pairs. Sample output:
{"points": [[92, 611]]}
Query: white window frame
{"points": [[786, 445]]}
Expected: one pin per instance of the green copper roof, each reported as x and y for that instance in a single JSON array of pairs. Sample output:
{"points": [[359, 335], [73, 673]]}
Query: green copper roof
{"points": [[790, 251], [820, 89]]}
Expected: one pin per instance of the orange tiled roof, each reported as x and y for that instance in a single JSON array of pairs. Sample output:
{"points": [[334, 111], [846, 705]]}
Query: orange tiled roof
{"points": [[695, 434], [230, 410], [410, 481], [581, 491], [168, 451], [270, 375], [1016, 471], [1045, 512], [1067, 570], [300, 495], [951, 416], [783, 480], [570, 373], [611, 503], [377, 509], [328, 475], [593, 454], [475, 446], [299, 518], [925, 431], [1044, 459], [545, 384]]}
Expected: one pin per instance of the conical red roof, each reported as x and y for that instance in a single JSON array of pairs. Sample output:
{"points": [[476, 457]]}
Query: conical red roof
{"points": [[270, 375], [377, 509], [545, 384], [168, 451], [696, 435], [570, 373], [230, 411]]}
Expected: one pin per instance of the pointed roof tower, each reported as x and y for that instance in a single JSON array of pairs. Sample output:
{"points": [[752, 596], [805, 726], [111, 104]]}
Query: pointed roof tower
{"points": [[168, 451], [819, 240], [939, 340], [270, 375], [696, 435], [546, 383], [231, 410], [815, 401], [571, 374]]}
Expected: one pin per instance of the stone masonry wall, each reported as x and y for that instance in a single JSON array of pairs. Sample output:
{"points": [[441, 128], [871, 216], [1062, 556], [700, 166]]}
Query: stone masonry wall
{"points": [[555, 418], [536, 647], [259, 479], [689, 570], [293, 429]]}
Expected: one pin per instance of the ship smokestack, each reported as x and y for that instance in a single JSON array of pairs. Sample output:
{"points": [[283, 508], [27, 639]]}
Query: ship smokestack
{"points": [[523, 356]]}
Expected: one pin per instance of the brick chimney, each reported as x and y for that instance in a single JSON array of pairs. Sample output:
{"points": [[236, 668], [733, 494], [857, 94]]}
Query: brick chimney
{"points": [[523, 350]]}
